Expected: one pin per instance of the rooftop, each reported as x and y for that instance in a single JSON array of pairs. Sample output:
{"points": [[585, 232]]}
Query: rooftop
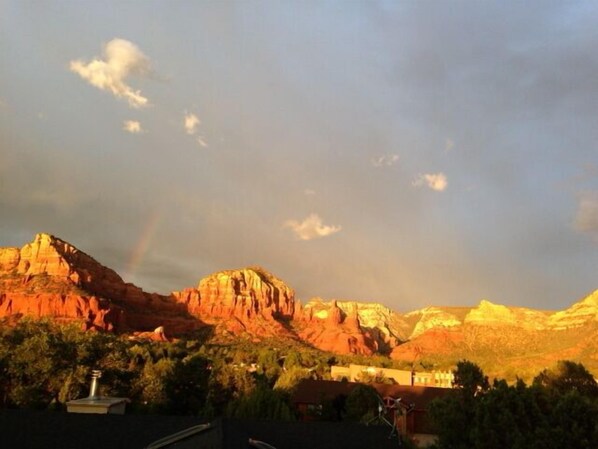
{"points": [[59, 430]]}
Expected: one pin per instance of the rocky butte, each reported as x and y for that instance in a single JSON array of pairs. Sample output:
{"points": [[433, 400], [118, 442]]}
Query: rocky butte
{"points": [[247, 301], [51, 278]]}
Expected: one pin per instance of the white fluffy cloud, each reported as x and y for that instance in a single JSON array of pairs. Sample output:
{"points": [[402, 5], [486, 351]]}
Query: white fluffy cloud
{"points": [[202, 143], [120, 59], [435, 181], [388, 160], [191, 122], [311, 228], [586, 219], [132, 126]]}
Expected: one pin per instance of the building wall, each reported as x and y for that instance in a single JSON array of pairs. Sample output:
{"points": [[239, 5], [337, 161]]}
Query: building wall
{"points": [[441, 379], [353, 373]]}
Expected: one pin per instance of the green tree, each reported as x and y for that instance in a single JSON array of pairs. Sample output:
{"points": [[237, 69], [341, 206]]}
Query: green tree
{"points": [[452, 421], [269, 365], [455, 413], [568, 376], [362, 403], [574, 422], [470, 379], [153, 382], [292, 360], [552, 414], [261, 403], [508, 417], [226, 384], [39, 363], [291, 377], [187, 388]]}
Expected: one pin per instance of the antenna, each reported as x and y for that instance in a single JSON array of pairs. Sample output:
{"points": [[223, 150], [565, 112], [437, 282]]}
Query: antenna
{"points": [[387, 406]]}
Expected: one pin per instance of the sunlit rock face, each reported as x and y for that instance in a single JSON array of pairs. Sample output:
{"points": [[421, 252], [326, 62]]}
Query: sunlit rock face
{"points": [[51, 256], [253, 302], [337, 332], [251, 299], [380, 324], [67, 307], [50, 277], [432, 318], [158, 334], [579, 314], [9, 259], [489, 313], [45, 279]]}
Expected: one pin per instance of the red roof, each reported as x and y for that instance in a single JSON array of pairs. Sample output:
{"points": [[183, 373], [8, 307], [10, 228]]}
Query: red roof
{"points": [[311, 391], [315, 391]]}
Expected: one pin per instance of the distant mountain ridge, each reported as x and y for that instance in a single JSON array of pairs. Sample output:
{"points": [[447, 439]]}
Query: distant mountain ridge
{"points": [[50, 277]]}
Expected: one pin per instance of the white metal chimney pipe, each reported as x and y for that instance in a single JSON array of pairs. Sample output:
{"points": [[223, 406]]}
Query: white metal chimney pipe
{"points": [[93, 388]]}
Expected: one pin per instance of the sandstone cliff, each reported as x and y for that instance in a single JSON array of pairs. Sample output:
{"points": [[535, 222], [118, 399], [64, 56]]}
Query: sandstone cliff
{"points": [[579, 314], [432, 318], [385, 327], [249, 300], [256, 304], [338, 332], [497, 336], [50, 277], [489, 314]]}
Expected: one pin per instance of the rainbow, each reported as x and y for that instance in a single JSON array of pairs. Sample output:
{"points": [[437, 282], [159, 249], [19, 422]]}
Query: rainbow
{"points": [[145, 238]]}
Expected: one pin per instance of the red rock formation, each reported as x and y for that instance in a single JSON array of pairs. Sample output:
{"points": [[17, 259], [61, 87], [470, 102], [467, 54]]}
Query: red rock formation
{"points": [[338, 334], [250, 301], [89, 311], [378, 323], [50, 277], [433, 342], [157, 334]]}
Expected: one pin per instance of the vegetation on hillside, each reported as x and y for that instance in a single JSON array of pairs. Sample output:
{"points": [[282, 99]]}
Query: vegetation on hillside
{"points": [[44, 364]]}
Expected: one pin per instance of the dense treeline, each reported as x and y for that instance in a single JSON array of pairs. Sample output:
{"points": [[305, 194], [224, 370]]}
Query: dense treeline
{"points": [[44, 364], [558, 410]]}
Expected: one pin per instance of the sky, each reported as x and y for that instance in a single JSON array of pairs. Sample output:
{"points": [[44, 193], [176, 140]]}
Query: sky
{"points": [[411, 153]]}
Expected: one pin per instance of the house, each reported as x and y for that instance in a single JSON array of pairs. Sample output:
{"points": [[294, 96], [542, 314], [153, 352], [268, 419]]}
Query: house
{"points": [[411, 412], [310, 396], [403, 406]]}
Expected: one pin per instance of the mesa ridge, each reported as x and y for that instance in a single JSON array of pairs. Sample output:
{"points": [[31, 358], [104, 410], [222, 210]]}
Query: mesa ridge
{"points": [[50, 277]]}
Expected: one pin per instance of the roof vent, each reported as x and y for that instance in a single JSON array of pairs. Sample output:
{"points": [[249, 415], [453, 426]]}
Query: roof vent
{"points": [[95, 384], [94, 403]]}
